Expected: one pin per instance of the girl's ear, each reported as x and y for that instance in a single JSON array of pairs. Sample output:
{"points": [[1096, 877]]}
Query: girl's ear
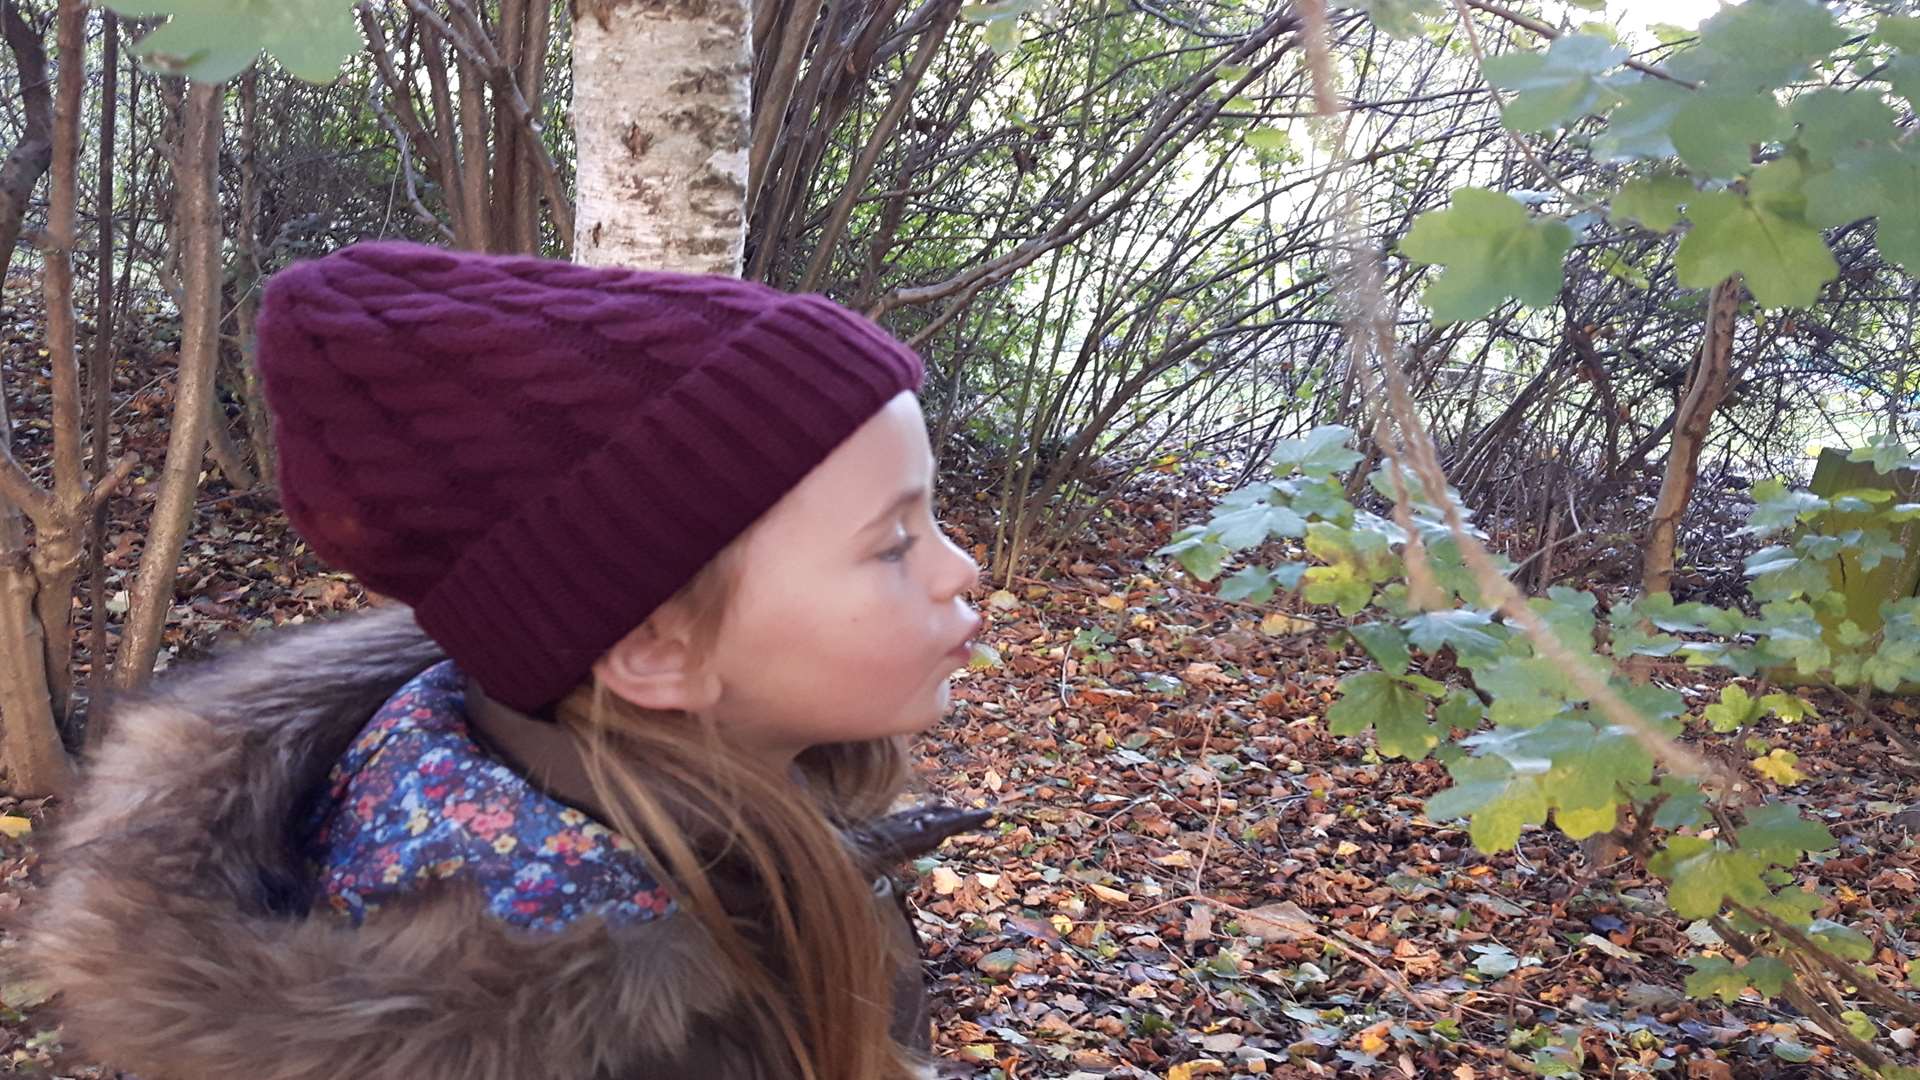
{"points": [[653, 667]]}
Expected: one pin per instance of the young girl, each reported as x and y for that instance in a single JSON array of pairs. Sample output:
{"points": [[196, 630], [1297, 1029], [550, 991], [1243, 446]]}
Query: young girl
{"points": [[604, 794]]}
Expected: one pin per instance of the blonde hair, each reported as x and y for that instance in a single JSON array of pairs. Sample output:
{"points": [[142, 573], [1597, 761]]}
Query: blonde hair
{"points": [[757, 859]]}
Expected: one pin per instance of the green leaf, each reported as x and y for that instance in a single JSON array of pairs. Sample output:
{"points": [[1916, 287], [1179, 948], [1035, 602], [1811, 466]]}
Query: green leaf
{"points": [[1556, 86], [215, 40], [1319, 453], [1715, 132], [1248, 526], [1734, 711], [1253, 584], [1463, 628], [1883, 183], [1638, 127], [1900, 31], [1775, 506], [1840, 939], [1526, 691], [1776, 832], [1788, 707], [1397, 715], [1492, 249], [1832, 121], [1338, 586], [1462, 710], [1763, 235], [1760, 45], [1496, 802], [1791, 1051], [1705, 875], [1270, 139], [1385, 643], [1203, 558], [1715, 976], [1400, 18], [1653, 202]]}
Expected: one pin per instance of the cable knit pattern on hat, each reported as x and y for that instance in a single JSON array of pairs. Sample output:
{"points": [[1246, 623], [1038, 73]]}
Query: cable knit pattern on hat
{"points": [[535, 454]]}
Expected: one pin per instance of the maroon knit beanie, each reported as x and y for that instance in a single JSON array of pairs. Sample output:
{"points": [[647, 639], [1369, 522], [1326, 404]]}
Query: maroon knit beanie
{"points": [[535, 454]]}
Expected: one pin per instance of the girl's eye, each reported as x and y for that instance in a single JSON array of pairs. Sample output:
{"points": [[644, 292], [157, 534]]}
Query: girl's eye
{"points": [[898, 551]]}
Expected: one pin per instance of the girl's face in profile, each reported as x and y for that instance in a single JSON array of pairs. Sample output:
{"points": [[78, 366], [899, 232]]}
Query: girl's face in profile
{"points": [[850, 610]]}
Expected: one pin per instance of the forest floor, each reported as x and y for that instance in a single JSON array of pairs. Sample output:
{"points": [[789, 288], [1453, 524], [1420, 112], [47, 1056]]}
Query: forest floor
{"points": [[1189, 877]]}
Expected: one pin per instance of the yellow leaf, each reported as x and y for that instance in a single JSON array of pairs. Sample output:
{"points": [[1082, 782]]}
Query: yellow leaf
{"points": [[1276, 624], [1112, 602], [1371, 1043], [1346, 848], [984, 657], [1187, 1070], [1111, 896], [977, 1051], [1779, 767], [1176, 858], [1003, 600], [15, 827]]}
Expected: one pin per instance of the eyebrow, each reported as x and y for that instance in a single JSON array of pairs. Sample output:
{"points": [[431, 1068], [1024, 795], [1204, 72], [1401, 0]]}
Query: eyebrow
{"points": [[905, 499]]}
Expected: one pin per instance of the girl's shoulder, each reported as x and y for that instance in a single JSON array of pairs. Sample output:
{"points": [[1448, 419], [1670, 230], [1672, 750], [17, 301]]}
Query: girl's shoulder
{"points": [[415, 803]]}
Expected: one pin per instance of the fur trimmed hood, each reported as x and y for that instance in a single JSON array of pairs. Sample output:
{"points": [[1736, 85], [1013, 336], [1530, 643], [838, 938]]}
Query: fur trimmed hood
{"points": [[176, 929]]}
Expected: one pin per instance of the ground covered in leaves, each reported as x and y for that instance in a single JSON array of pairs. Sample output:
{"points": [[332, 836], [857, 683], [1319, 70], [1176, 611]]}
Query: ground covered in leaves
{"points": [[1189, 877]]}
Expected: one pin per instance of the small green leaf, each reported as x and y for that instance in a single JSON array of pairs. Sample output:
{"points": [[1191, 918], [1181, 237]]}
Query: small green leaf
{"points": [[1270, 139], [1319, 453], [1734, 710], [1840, 939], [1653, 202], [1400, 18], [1397, 715], [1385, 643], [1705, 875], [1776, 832], [1462, 710], [1492, 249], [1557, 86]]}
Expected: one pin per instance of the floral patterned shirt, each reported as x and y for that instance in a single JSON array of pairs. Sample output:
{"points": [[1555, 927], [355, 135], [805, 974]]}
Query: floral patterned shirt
{"points": [[415, 800]]}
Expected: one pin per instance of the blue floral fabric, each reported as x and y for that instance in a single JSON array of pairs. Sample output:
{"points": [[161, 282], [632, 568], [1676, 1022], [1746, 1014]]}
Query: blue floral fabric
{"points": [[416, 800]]}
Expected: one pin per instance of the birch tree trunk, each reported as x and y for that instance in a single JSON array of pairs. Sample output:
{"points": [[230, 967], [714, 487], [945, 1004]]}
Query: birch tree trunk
{"points": [[661, 114]]}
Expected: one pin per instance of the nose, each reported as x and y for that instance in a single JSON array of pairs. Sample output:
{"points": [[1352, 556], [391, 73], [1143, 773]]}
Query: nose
{"points": [[958, 571]]}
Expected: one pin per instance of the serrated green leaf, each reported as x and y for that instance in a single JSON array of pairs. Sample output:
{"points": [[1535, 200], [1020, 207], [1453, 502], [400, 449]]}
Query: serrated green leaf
{"points": [[1653, 202], [1788, 707], [1492, 249], [1638, 127], [1266, 138], [1385, 643], [1715, 976], [1202, 558], [1840, 939], [1248, 526], [1496, 809], [1704, 876], [1400, 18], [1883, 183], [1397, 714], [1556, 86], [1776, 832], [1833, 121], [1320, 453], [1762, 235], [1581, 822], [1733, 711], [1253, 584], [1462, 710], [1900, 31], [1715, 131], [1468, 631], [1759, 45]]}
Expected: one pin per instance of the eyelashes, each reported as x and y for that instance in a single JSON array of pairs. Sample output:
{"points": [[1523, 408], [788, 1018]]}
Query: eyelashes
{"points": [[899, 551]]}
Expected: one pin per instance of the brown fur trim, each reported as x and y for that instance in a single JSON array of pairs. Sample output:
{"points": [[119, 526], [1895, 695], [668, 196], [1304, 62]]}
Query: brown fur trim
{"points": [[176, 928]]}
